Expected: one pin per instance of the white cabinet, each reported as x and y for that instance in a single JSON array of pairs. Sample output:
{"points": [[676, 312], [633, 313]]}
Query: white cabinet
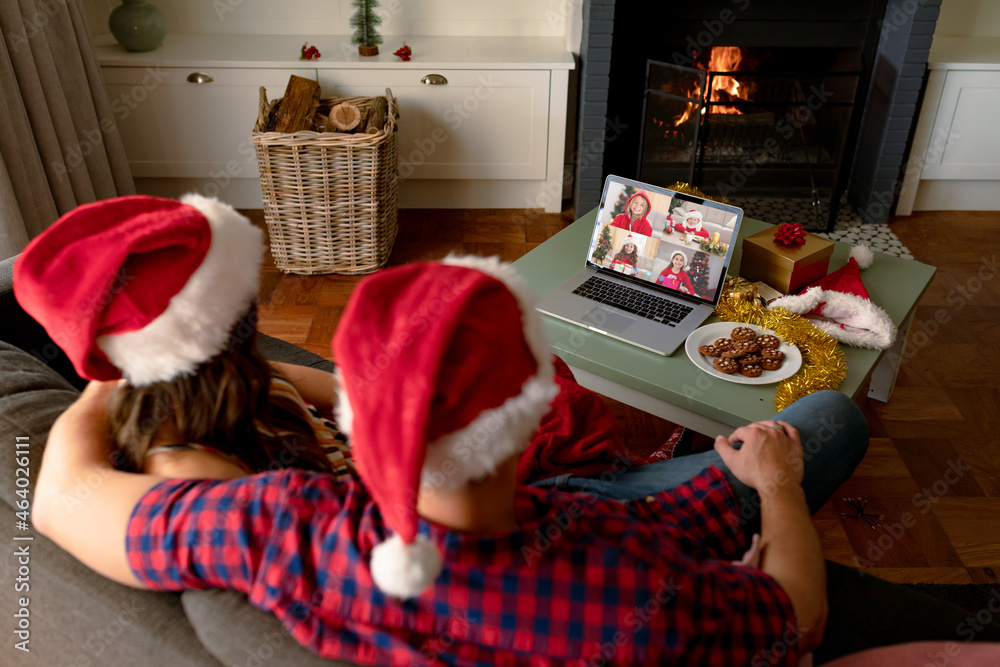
{"points": [[954, 159], [492, 136], [470, 124], [966, 123], [190, 122]]}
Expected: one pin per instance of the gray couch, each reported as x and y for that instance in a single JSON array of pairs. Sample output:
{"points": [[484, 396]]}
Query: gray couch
{"points": [[76, 617]]}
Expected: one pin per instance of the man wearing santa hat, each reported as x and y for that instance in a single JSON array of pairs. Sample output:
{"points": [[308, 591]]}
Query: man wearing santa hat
{"points": [[444, 373]]}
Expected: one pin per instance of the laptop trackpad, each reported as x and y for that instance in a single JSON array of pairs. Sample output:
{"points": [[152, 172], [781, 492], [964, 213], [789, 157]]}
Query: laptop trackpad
{"points": [[608, 320]]}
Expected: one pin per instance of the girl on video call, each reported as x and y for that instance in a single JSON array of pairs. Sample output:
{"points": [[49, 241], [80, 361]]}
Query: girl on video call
{"points": [[674, 276], [629, 254]]}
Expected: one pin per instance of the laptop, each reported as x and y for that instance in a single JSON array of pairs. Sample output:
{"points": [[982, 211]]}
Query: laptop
{"points": [[654, 269]]}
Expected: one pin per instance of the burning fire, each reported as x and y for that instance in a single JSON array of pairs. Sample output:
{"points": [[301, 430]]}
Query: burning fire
{"points": [[724, 88], [724, 59]]}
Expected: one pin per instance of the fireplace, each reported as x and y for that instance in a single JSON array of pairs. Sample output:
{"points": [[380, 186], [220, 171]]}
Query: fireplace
{"points": [[753, 121], [761, 98]]}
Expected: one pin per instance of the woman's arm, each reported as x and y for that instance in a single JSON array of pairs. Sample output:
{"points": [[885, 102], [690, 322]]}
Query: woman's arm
{"points": [[315, 386], [82, 503]]}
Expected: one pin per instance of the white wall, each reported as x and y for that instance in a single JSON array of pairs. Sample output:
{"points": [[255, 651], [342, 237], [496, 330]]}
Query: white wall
{"points": [[523, 18], [969, 18]]}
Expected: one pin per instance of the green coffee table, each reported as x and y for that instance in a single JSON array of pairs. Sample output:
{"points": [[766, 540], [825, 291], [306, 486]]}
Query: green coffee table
{"points": [[672, 387]]}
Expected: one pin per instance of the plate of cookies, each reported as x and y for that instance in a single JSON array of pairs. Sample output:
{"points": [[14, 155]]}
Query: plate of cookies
{"points": [[744, 353]]}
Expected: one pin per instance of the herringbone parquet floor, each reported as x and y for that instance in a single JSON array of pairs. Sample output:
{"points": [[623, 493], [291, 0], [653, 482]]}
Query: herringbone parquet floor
{"points": [[933, 467]]}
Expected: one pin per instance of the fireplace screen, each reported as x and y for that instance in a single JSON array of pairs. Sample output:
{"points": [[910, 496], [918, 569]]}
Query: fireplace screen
{"points": [[748, 123]]}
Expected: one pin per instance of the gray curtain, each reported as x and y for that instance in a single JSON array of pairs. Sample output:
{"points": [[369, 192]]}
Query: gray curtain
{"points": [[59, 146]]}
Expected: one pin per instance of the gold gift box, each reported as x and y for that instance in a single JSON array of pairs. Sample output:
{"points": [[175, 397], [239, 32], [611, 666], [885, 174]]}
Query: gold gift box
{"points": [[785, 268]]}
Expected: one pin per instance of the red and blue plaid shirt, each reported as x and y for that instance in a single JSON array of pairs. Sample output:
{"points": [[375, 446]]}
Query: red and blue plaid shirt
{"points": [[584, 582]]}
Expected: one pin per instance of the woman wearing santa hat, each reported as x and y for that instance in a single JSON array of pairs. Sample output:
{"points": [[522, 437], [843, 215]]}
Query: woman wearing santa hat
{"points": [[160, 295], [674, 276]]}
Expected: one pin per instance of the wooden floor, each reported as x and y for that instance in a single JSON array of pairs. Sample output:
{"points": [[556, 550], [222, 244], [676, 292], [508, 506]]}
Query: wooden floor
{"points": [[933, 467]]}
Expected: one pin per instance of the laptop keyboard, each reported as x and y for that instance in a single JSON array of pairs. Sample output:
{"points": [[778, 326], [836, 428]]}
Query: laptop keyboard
{"points": [[634, 301]]}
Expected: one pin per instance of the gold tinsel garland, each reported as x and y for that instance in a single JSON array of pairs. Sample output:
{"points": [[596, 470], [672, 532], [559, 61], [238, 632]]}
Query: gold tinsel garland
{"points": [[680, 186], [823, 363]]}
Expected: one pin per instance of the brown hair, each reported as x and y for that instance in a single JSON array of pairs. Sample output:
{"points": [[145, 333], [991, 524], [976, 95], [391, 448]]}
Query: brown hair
{"points": [[220, 405]]}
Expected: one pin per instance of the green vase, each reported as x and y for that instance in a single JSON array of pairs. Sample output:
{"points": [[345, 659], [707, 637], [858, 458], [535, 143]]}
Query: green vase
{"points": [[138, 25]]}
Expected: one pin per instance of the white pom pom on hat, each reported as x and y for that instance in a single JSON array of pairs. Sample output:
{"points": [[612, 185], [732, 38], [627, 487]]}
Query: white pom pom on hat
{"points": [[405, 570]]}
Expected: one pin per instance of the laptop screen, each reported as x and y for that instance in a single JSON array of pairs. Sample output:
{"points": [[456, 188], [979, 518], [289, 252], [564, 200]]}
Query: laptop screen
{"points": [[666, 239]]}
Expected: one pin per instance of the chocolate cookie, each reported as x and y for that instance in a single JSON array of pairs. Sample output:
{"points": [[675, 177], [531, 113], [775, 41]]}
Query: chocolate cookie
{"points": [[723, 344], [743, 333], [772, 354], [734, 352], [726, 365], [770, 364], [710, 350], [752, 358], [751, 370], [768, 342], [749, 346]]}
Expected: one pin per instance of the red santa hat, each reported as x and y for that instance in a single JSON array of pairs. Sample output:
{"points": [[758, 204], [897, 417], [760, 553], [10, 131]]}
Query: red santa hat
{"points": [[443, 373], [683, 256], [839, 304], [141, 287], [693, 214]]}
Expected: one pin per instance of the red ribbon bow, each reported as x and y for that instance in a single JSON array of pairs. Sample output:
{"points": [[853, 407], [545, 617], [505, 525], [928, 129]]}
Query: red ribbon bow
{"points": [[790, 234]]}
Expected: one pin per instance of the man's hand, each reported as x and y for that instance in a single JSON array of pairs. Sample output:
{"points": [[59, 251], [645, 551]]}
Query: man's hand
{"points": [[771, 455], [770, 461]]}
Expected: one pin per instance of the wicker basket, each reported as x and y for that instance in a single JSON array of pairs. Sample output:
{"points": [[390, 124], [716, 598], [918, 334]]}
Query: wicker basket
{"points": [[329, 197]]}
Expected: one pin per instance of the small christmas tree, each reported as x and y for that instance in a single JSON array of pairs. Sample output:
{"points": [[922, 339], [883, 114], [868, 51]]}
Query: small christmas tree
{"points": [[698, 272], [603, 245], [364, 22], [623, 198]]}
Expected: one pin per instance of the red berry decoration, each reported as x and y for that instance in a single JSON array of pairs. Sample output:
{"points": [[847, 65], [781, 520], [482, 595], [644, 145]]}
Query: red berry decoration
{"points": [[403, 52], [790, 234], [310, 53]]}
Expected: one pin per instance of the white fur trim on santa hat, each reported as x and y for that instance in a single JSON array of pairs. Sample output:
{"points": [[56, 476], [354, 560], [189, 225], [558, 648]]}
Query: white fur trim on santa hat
{"points": [[405, 570], [196, 325], [474, 451], [863, 255], [694, 214], [848, 318]]}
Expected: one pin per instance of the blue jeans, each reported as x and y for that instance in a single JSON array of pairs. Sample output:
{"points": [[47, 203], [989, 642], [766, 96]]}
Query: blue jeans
{"points": [[834, 436]]}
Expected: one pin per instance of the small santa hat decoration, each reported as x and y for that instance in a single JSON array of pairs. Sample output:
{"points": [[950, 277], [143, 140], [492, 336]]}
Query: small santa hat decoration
{"points": [[443, 373], [141, 287], [840, 305]]}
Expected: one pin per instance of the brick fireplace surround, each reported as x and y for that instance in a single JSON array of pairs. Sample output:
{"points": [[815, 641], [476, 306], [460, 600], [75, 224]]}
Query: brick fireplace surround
{"points": [[877, 157]]}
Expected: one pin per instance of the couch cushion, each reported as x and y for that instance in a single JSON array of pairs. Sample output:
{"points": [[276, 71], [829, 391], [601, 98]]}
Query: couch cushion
{"points": [[32, 395], [239, 634], [76, 616]]}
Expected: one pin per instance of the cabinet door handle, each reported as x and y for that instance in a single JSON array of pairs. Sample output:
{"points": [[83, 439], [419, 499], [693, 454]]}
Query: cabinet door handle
{"points": [[199, 77], [434, 80]]}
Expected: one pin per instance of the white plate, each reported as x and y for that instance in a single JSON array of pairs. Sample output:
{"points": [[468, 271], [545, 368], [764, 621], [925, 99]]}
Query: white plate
{"points": [[710, 333]]}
